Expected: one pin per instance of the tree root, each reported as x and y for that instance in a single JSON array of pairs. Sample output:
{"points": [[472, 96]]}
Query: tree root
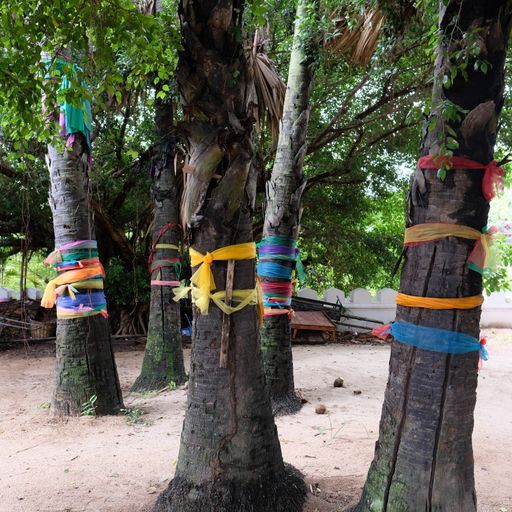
{"points": [[284, 492]]}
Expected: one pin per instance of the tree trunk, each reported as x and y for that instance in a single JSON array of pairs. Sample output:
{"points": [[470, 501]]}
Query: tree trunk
{"points": [[230, 458], [283, 210], [163, 358], [424, 458], [85, 364]]}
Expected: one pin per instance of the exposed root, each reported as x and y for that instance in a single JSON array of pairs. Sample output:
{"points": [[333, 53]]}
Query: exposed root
{"points": [[288, 404], [284, 492]]}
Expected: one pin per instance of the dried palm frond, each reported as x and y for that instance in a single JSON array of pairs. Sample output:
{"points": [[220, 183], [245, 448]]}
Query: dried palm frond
{"points": [[146, 7], [356, 35], [270, 88]]}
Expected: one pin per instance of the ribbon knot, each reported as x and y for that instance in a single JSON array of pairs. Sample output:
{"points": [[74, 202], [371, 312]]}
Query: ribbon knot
{"points": [[203, 278], [208, 258], [492, 180]]}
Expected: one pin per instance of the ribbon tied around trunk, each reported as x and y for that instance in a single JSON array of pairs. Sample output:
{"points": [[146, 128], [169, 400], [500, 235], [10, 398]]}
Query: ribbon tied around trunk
{"points": [[203, 282], [481, 258], [80, 274], [432, 338], [492, 179], [413, 301]]}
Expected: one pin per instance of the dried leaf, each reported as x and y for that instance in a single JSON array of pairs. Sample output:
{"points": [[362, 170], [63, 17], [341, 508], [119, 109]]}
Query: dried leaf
{"points": [[270, 88], [356, 43]]}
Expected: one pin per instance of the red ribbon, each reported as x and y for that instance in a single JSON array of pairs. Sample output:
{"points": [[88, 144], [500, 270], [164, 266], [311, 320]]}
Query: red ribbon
{"points": [[155, 243], [382, 331], [493, 173]]}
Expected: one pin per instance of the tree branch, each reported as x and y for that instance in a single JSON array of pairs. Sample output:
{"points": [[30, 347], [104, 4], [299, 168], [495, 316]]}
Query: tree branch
{"points": [[392, 131], [345, 169], [7, 170], [332, 134], [122, 246]]}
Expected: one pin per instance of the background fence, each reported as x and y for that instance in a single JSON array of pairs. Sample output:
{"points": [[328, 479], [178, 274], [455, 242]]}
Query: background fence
{"points": [[496, 310]]}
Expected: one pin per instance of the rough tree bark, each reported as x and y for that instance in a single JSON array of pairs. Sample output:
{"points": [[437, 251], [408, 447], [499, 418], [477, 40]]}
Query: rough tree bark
{"points": [[85, 365], [230, 458], [283, 208], [424, 458], [163, 357]]}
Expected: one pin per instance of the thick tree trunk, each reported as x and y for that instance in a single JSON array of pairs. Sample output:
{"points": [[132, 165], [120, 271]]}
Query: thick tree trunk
{"points": [[230, 459], [424, 458], [163, 358], [283, 209], [85, 364]]}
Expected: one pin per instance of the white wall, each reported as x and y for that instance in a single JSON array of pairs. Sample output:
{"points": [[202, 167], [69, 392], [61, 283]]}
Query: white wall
{"points": [[7, 294], [496, 311]]}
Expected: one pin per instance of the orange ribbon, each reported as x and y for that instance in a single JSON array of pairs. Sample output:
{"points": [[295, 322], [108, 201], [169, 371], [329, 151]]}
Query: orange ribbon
{"points": [[68, 278]]}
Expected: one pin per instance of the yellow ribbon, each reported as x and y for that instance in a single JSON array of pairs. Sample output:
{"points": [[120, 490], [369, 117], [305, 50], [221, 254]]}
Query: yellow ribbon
{"points": [[203, 277], [68, 315], [434, 230], [413, 301], [167, 246], [243, 297], [428, 232], [72, 289]]}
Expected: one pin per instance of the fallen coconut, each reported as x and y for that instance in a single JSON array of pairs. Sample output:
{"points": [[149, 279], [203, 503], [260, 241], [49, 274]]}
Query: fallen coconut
{"points": [[320, 409], [339, 383]]}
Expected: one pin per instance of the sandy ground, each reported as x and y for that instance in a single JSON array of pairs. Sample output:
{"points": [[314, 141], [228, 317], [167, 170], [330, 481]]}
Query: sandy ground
{"points": [[107, 464]]}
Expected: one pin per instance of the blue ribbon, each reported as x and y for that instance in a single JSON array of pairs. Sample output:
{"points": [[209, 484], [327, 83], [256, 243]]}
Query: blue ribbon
{"points": [[437, 340], [273, 269], [85, 299]]}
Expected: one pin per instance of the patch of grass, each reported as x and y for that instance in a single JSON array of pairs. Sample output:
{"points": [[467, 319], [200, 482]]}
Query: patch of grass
{"points": [[134, 416], [149, 394], [331, 430], [89, 406]]}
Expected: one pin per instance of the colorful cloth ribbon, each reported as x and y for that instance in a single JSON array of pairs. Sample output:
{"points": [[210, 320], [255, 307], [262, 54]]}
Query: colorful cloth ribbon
{"points": [[242, 297], [203, 279], [277, 312], [56, 255], [413, 301], [87, 304], [167, 262], [480, 258], [432, 339], [279, 248], [278, 294], [493, 173], [78, 270], [72, 119], [159, 282], [275, 276]]}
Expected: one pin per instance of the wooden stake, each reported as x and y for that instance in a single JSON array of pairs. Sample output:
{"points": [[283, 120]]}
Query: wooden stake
{"points": [[226, 320]]}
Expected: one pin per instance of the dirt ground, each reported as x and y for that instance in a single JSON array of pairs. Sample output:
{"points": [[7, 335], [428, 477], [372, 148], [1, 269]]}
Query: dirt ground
{"points": [[121, 463]]}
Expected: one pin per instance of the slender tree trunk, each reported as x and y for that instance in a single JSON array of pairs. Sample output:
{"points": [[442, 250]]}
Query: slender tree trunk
{"points": [[230, 458], [424, 458], [163, 358], [283, 210], [85, 364]]}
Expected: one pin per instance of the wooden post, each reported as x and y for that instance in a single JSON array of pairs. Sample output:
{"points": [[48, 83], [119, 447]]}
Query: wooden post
{"points": [[226, 322]]}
